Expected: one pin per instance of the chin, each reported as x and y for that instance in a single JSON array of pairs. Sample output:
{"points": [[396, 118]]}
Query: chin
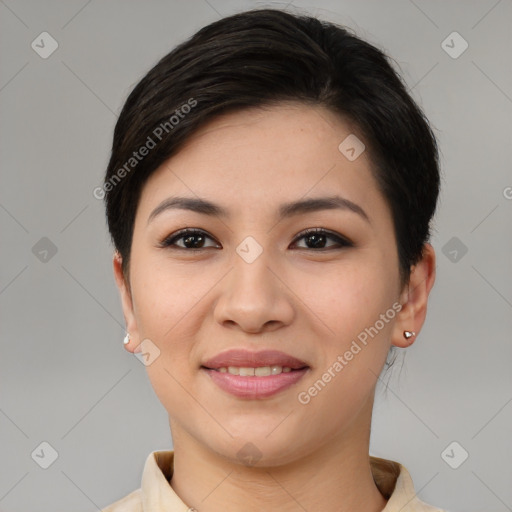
{"points": [[259, 449]]}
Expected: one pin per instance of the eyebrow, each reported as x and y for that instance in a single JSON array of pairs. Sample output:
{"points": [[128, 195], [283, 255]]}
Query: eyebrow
{"points": [[285, 210]]}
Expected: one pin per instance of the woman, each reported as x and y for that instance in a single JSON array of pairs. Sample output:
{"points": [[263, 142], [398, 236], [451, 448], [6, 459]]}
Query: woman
{"points": [[269, 196]]}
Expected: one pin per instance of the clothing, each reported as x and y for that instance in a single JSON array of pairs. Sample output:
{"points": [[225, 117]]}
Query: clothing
{"points": [[156, 494]]}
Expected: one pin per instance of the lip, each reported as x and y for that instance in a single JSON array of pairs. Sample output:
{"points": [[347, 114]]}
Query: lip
{"points": [[254, 387], [248, 359]]}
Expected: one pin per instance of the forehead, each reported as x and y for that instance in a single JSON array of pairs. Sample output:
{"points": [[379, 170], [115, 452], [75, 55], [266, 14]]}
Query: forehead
{"points": [[290, 132], [258, 157]]}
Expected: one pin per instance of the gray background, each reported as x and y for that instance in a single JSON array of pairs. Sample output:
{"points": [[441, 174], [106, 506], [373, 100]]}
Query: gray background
{"points": [[65, 377]]}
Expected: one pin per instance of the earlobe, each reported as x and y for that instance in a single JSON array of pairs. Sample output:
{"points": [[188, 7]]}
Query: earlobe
{"points": [[414, 300], [126, 303]]}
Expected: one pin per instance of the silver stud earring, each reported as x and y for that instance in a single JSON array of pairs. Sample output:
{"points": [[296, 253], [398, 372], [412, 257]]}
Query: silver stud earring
{"points": [[409, 334], [126, 339]]}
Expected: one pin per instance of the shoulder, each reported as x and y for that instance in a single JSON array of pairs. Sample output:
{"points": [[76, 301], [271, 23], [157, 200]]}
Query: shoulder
{"points": [[404, 497], [154, 489], [395, 484], [416, 505], [130, 503]]}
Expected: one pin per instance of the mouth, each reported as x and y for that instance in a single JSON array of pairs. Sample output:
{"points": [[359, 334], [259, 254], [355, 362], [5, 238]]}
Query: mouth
{"points": [[242, 358], [259, 371], [254, 375]]}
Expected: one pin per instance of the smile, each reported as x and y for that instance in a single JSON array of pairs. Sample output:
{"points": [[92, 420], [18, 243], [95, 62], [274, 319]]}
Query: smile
{"points": [[254, 375], [261, 371], [255, 383]]}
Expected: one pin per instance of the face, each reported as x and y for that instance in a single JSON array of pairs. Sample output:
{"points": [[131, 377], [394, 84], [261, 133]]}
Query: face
{"points": [[315, 283]]}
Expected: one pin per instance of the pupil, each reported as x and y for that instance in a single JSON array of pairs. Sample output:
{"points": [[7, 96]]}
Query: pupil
{"points": [[317, 240], [191, 237], [314, 240]]}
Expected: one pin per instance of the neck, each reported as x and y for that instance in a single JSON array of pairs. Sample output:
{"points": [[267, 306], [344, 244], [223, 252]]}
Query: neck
{"points": [[335, 477]]}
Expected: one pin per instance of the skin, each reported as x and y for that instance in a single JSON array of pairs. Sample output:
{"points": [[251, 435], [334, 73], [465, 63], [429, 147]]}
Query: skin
{"points": [[308, 302]]}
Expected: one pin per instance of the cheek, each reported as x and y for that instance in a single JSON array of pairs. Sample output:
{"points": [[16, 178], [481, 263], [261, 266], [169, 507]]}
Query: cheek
{"points": [[170, 304], [356, 303], [359, 311], [165, 295], [165, 306], [350, 296]]}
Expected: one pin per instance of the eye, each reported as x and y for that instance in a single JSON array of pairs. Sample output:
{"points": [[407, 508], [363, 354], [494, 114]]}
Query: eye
{"points": [[317, 237], [192, 239]]}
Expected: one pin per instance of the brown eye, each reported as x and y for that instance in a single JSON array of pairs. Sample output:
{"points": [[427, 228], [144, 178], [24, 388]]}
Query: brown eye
{"points": [[191, 239], [195, 239], [317, 239]]}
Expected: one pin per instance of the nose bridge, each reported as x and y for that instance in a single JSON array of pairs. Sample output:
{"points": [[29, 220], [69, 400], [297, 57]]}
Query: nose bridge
{"points": [[251, 270], [252, 296]]}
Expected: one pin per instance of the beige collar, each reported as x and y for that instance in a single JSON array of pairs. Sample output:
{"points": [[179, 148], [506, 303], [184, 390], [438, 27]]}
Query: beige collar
{"points": [[392, 480]]}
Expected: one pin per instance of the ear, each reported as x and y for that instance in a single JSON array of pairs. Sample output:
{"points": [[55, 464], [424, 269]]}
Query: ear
{"points": [[414, 298], [126, 302]]}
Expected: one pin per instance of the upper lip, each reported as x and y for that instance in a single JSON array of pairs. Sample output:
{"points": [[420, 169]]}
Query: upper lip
{"points": [[247, 359]]}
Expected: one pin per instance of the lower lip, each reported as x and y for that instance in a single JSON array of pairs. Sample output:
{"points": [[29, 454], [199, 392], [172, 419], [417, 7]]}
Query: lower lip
{"points": [[255, 387]]}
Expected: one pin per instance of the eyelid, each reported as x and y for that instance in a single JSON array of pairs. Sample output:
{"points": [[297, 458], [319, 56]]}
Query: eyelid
{"points": [[342, 241], [169, 241]]}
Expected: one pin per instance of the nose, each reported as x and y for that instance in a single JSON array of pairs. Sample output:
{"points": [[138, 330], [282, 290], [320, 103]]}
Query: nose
{"points": [[253, 297]]}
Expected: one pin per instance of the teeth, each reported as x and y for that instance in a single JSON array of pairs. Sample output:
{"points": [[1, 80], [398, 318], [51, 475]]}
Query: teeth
{"points": [[262, 371], [246, 372]]}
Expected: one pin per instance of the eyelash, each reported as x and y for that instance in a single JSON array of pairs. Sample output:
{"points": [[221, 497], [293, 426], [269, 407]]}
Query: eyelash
{"points": [[169, 241]]}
